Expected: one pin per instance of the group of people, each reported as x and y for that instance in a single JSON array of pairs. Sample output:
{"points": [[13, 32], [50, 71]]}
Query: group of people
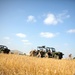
{"points": [[40, 53]]}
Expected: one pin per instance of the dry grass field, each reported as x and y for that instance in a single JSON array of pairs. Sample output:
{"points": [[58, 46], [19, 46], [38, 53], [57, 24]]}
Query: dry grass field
{"points": [[11, 64]]}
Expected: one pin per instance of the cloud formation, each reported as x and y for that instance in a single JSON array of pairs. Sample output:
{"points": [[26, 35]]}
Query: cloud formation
{"points": [[21, 35], [26, 42], [7, 38], [31, 19], [71, 31], [52, 19], [47, 34]]}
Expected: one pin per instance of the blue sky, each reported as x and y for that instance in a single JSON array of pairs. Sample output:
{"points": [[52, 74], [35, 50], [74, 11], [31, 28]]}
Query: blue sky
{"points": [[26, 24]]}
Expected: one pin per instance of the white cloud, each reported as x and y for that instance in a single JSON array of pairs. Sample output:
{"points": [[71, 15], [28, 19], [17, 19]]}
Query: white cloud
{"points": [[21, 35], [71, 31], [31, 19], [52, 19], [6, 38], [63, 15], [47, 34], [26, 42]]}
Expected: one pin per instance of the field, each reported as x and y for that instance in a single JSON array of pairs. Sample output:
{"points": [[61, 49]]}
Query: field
{"points": [[12, 64]]}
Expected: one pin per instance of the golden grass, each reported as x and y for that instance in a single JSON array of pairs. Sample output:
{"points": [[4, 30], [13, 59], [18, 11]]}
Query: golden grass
{"points": [[12, 64]]}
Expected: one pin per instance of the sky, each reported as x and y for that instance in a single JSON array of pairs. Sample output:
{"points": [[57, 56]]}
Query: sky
{"points": [[26, 24]]}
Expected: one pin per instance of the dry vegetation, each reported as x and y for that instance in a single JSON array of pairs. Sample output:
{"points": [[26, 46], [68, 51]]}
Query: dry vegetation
{"points": [[12, 64]]}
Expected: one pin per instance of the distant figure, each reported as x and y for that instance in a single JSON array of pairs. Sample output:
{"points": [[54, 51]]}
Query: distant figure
{"points": [[70, 56], [33, 53], [39, 55], [46, 55]]}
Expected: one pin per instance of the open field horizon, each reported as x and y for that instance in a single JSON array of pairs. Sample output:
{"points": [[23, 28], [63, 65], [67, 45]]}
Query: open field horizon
{"points": [[12, 64]]}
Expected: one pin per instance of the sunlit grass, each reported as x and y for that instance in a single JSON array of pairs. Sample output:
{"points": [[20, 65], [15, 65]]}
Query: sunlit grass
{"points": [[12, 64]]}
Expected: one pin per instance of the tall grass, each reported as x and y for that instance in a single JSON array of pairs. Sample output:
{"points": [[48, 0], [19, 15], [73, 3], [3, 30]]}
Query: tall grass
{"points": [[11, 64]]}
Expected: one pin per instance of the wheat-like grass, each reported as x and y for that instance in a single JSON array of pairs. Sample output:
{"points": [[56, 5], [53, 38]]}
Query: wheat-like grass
{"points": [[11, 64]]}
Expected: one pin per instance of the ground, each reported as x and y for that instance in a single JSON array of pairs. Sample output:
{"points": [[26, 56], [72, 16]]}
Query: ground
{"points": [[12, 64]]}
